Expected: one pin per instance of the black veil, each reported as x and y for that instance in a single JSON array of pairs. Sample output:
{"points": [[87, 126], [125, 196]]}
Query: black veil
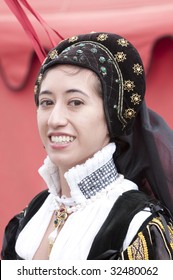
{"points": [[145, 156]]}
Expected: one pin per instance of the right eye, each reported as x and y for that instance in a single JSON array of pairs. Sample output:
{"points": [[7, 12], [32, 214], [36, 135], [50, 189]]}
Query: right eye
{"points": [[45, 103]]}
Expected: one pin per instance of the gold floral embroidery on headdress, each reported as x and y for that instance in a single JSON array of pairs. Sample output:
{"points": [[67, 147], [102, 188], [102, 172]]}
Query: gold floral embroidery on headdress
{"points": [[135, 98], [129, 113], [120, 56], [123, 42], [73, 39], [137, 69], [53, 54], [128, 85], [102, 37], [40, 77]]}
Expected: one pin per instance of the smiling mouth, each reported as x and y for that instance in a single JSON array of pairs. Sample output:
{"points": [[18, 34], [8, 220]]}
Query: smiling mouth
{"points": [[62, 139]]}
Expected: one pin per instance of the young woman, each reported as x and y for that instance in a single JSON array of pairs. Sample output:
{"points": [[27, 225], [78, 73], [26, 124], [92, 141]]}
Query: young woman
{"points": [[109, 164]]}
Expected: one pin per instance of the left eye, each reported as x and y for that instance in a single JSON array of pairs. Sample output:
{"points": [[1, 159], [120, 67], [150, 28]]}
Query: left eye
{"points": [[75, 102]]}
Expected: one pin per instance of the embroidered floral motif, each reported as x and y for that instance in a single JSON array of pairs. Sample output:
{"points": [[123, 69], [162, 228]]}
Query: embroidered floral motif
{"points": [[129, 113], [123, 42], [129, 85], [53, 54], [135, 98], [137, 69], [120, 56], [73, 39], [102, 37]]}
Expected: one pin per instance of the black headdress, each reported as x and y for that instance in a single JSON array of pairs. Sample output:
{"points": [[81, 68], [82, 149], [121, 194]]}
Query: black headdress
{"points": [[144, 142], [119, 67]]}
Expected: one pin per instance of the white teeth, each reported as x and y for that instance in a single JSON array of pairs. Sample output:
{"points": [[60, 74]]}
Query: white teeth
{"points": [[62, 139]]}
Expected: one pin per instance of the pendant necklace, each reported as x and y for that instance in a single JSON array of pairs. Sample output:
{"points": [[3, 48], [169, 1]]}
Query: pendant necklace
{"points": [[61, 216]]}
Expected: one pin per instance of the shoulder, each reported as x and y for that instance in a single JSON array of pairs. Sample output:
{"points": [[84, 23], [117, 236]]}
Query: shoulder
{"points": [[135, 225], [154, 240]]}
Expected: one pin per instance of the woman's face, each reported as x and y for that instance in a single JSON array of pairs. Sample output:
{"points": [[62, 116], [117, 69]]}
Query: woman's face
{"points": [[70, 115]]}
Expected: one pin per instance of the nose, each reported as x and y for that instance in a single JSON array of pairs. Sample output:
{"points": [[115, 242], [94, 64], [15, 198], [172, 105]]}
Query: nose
{"points": [[58, 116]]}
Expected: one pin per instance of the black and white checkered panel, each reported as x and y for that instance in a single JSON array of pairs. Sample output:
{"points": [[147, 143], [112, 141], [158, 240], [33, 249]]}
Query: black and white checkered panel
{"points": [[98, 180]]}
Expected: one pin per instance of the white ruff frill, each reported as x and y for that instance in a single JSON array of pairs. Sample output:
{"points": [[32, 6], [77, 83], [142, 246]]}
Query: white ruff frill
{"points": [[75, 238]]}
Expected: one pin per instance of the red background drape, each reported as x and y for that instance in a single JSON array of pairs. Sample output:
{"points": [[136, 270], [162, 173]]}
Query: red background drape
{"points": [[147, 24]]}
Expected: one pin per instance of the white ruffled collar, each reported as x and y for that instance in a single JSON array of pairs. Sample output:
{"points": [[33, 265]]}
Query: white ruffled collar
{"points": [[49, 172]]}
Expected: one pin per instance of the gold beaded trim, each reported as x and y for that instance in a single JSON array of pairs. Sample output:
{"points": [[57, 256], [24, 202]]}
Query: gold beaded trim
{"points": [[159, 225]]}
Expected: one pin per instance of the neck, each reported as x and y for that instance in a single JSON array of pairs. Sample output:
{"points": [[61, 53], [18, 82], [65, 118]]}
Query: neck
{"points": [[78, 181], [65, 190]]}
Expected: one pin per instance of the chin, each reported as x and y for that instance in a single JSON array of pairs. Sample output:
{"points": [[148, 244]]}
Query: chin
{"points": [[64, 163]]}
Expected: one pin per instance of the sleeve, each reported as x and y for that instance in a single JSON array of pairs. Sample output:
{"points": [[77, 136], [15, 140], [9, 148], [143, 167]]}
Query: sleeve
{"points": [[17, 223], [10, 235], [153, 242]]}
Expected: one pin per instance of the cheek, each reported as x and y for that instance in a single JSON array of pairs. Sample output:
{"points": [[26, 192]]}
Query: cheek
{"points": [[101, 121], [41, 123], [101, 128], [39, 120], [96, 123]]}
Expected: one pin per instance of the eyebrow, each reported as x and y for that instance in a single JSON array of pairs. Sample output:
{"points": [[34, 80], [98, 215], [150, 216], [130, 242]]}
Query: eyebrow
{"points": [[44, 92], [67, 91]]}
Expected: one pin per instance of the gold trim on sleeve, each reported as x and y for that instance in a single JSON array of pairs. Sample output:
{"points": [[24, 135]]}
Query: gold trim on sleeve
{"points": [[138, 250]]}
